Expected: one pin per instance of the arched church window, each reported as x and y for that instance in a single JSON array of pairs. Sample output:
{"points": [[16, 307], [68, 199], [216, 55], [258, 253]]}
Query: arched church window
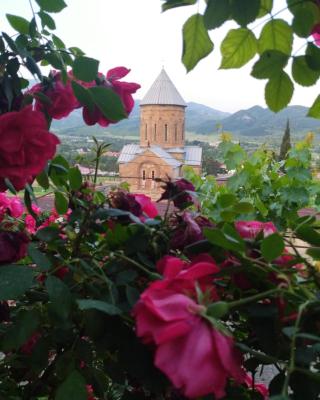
{"points": [[166, 133], [155, 131], [175, 133], [152, 175], [143, 175], [146, 132]]}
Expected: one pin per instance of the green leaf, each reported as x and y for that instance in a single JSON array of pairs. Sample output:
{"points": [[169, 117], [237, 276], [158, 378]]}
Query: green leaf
{"points": [[108, 102], [60, 297], [83, 95], [271, 63], [244, 208], [177, 3], [60, 202], [276, 35], [216, 237], [305, 19], [279, 91], [15, 280], [58, 42], [18, 23], [245, 11], [237, 48], [217, 12], [265, 8], [309, 235], [75, 178], [73, 388], [48, 234], [52, 6], [302, 73], [46, 20], [85, 68], [272, 247], [55, 59], [43, 180], [132, 295], [196, 42], [39, 258], [107, 308], [314, 111]]}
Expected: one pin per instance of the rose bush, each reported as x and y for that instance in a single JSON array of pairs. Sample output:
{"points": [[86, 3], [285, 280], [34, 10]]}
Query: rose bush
{"points": [[104, 298]]}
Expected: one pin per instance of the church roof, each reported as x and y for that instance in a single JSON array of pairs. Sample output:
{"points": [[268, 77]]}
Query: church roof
{"points": [[163, 92], [193, 154]]}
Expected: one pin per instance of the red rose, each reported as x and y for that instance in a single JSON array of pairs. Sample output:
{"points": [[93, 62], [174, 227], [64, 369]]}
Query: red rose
{"points": [[147, 206], [123, 89], [178, 192], [13, 246], [62, 99], [195, 356], [25, 146]]}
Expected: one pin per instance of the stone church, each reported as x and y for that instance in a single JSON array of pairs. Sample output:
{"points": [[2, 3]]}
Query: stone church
{"points": [[162, 151]]}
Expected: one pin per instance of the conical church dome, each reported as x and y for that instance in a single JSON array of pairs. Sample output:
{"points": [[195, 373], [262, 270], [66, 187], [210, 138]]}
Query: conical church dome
{"points": [[163, 92]]}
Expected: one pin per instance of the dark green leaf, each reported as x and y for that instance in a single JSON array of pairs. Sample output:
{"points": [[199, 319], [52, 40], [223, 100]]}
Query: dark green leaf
{"points": [[75, 178], [51, 6], [309, 235], [46, 20], [305, 19], [313, 56], [276, 35], [107, 308], [244, 208], [15, 280], [217, 12], [302, 73], [271, 63], [83, 95], [10, 42], [55, 60], [48, 234], [33, 67], [39, 258], [237, 48], [73, 388], [177, 3], [245, 11], [132, 294], [85, 68], [60, 297], [314, 252], [272, 247], [43, 180], [60, 202], [108, 102], [196, 42], [76, 51], [26, 324], [18, 23], [279, 91], [10, 186], [314, 111]]}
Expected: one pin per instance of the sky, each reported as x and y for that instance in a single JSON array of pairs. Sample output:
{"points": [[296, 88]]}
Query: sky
{"points": [[136, 34]]}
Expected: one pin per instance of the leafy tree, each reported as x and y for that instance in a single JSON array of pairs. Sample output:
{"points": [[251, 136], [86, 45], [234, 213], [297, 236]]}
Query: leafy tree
{"points": [[286, 143]]}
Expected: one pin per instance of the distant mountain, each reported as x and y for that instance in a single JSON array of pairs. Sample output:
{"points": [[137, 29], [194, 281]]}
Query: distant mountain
{"points": [[201, 119], [258, 121]]}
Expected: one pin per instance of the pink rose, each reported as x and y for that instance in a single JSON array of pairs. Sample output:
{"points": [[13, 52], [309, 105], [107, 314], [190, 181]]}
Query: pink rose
{"points": [[123, 89], [62, 99], [25, 146], [196, 357], [251, 229], [147, 206], [316, 34], [258, 387], [11, 205]]}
